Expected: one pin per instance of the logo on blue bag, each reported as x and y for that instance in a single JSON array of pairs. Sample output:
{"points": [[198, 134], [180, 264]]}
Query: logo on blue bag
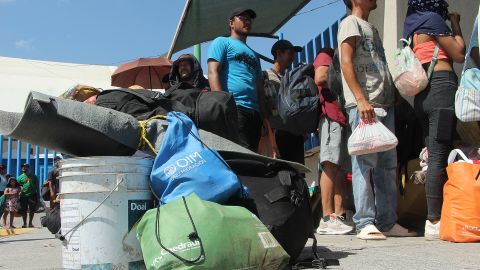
{"points": [[184, 165], [170, 170]]}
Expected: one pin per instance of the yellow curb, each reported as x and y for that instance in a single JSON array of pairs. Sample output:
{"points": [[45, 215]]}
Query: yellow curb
{"points": [[10, 232]]}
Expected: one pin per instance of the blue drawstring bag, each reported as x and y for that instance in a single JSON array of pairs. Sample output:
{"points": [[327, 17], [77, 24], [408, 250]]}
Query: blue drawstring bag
{"points": [[185, 165]]}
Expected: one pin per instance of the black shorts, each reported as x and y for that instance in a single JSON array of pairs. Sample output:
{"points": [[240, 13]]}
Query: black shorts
{"points": [[28, 203]]}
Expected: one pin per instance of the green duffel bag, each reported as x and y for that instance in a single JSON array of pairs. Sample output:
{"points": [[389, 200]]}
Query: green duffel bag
{"points": [[190, 233]]}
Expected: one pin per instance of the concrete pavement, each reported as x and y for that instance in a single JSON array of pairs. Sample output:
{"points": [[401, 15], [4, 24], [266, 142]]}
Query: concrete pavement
{"points": [[44, 252]]}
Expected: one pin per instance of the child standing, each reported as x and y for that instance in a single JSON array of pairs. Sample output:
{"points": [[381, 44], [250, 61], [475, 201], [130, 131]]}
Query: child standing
{"points": [[12, 205]]}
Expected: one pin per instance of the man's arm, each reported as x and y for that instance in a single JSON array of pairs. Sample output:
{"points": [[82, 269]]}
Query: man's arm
{"points": [[348, 51], [321, 76], [214, 68]]}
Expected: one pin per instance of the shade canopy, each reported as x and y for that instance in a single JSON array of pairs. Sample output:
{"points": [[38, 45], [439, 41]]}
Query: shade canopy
{"points": [[204, 20]]}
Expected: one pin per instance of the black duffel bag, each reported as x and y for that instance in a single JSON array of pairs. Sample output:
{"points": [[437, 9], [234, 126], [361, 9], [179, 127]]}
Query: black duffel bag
{"points": [[141, 104], [280, 199], [211, 111], [214, 111]]}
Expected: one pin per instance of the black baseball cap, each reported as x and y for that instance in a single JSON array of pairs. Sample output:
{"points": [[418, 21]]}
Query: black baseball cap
{"points": [[25, 165], [348, 3], [284, 44], [241, 10]]}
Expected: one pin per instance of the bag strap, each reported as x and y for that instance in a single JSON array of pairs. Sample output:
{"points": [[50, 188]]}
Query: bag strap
{"points": [[434, 61], [242, 187], [467, 55], [457, 152], [192, 236]]}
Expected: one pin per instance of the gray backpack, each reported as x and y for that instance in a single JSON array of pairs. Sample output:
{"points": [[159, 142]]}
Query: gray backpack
{"points": [[299, 100]]}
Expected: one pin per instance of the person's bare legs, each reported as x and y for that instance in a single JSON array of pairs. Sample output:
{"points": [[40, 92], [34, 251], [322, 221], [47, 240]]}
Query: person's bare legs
{"points": [[12, 216], [340, 190], [330, 191], [5, 214]]}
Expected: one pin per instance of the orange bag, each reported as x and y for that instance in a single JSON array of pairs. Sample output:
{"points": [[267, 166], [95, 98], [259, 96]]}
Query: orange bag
{"points": [[460, 220]]}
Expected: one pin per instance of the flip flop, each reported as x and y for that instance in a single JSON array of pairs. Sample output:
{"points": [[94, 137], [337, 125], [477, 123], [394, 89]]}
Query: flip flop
{"points": [[399, 231], [370, 232]]}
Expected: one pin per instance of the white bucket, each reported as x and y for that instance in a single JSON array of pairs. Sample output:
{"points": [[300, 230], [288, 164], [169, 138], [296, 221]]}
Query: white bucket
{"points": [[105, 239]]}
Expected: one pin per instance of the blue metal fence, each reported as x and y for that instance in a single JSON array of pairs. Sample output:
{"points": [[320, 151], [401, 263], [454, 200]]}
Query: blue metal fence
{"points": [[40, 165]]}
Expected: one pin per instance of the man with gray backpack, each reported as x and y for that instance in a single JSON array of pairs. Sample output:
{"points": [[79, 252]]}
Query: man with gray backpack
{"points": [[290, 146]]}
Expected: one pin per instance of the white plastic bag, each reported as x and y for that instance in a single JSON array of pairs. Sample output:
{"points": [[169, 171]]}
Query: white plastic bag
{"points": [[371, 137], [409, 76]]}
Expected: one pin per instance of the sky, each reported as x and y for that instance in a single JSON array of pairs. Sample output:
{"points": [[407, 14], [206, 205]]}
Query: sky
{"points": [[112, 32]]}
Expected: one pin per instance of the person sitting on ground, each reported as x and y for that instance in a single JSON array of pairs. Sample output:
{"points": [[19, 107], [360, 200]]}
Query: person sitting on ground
{"points": [[187, 70], [28, 198], [434, 106], [12, 203], [334, 156], [234, 67], [290, 147], [367, 83]]}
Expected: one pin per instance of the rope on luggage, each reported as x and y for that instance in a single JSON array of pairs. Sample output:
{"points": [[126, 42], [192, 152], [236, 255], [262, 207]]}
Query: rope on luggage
{"points": [[143, 132]]}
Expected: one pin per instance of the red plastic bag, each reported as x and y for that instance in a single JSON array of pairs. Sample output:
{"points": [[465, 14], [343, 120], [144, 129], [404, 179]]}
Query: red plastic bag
{"points": [[461, 204]]}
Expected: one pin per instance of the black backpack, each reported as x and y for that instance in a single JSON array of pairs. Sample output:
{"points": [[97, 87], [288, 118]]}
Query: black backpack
{"points": [[52, 219], [299, 100], [334, 80], [279, 197]]}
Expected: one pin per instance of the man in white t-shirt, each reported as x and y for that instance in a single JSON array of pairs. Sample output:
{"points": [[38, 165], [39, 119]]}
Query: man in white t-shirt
{"points": [[367, 84]]}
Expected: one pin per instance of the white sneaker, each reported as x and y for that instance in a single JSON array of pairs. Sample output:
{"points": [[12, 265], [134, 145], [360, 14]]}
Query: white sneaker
{"points": [[335, 225], [432, 231]]}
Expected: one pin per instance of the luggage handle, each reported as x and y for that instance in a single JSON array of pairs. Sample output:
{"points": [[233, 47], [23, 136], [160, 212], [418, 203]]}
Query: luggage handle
{"points": [[453, 155]]}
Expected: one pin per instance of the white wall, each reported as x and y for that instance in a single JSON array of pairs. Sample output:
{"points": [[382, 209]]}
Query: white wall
{"points": [[20, 76]]}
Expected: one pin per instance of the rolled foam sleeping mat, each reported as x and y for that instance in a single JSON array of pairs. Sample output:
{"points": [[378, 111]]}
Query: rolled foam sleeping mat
{"points": [[80, 129]]}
